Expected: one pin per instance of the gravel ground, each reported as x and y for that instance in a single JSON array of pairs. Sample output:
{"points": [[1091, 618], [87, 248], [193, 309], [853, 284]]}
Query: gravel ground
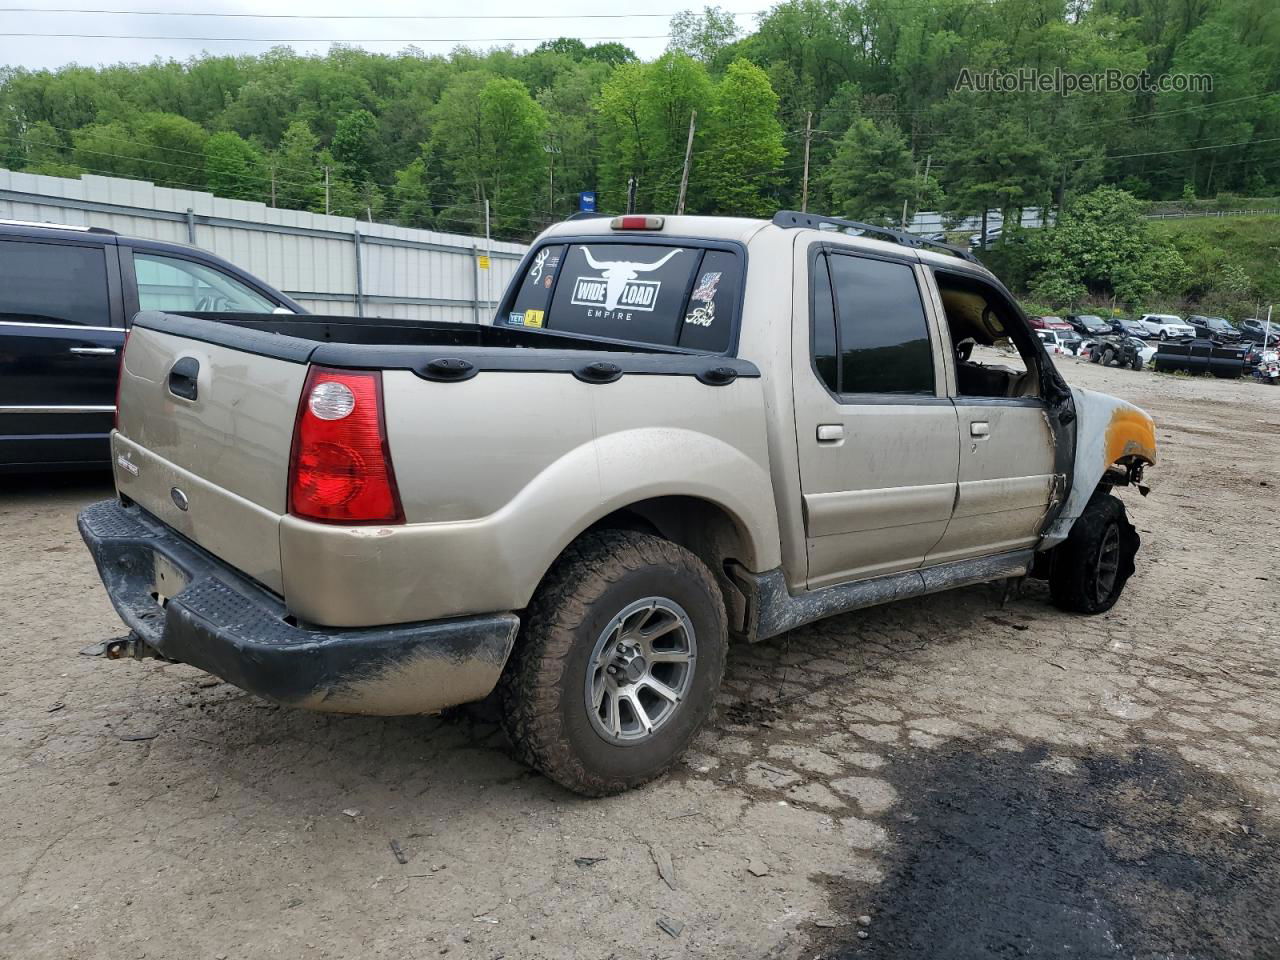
{"points": [[945, 777]]}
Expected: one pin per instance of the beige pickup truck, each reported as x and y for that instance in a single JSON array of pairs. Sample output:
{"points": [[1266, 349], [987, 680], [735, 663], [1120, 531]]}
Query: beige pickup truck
{"points": [[677, 431]]}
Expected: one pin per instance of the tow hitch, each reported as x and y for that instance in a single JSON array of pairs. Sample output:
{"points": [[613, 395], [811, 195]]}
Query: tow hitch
{"points": [[131, 647]]}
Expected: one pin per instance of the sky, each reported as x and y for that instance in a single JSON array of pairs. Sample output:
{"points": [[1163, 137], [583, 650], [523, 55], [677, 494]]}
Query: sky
{"points": [[304, 28]]}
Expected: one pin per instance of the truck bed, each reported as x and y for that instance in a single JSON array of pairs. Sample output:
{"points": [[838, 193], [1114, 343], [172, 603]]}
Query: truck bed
{"points": [[493, 433]]}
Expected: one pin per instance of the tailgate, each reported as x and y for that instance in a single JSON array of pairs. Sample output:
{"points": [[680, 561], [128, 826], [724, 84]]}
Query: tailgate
{"points": [[222, 454]]}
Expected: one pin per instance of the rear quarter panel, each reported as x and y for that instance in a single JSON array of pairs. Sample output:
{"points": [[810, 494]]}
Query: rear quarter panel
{"points": [[499, 473]]}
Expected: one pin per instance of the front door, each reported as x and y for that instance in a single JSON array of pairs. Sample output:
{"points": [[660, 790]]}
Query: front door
{"points": [[61, 336], [1006, 478], [876, 433]]}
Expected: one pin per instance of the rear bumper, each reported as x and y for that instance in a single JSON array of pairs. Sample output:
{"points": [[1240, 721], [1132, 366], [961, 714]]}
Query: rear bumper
{"points": [[193, 608]]}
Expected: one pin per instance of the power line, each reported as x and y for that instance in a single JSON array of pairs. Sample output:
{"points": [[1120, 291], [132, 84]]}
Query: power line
{"points": [[400, 40], [353, 16]]}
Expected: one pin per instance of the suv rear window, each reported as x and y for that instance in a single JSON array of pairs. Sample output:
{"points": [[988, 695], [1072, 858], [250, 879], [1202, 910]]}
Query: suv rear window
{"points": [[665, 294]]}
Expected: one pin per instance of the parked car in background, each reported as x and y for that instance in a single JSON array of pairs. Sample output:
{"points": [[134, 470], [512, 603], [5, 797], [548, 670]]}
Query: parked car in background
{"points": [[993, 236], [1128, 328], [67, 295], [1218, 329], [693, 431], [1256, 330], [1061, 341], [1049, 323], [1166, 326], [1088, 324]]}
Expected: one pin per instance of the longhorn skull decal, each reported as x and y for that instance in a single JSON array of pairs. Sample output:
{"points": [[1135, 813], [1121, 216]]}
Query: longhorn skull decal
{"points": [[617, 273]]}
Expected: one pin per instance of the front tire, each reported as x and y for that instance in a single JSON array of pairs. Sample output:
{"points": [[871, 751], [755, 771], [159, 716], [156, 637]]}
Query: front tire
{"points": [[1091, 567], [618, 663]]}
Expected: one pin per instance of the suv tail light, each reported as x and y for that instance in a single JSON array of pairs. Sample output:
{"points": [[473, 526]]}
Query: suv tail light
{"points": [[340, 468]]}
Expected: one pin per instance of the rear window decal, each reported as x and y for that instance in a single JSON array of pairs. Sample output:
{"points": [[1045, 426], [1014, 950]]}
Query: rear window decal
{"points": [[618, 285], [533, 318], [707, 287], [516, 319]]}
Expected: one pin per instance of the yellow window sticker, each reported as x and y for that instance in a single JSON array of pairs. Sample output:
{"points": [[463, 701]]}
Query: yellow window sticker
{"points": [[533, 318]]}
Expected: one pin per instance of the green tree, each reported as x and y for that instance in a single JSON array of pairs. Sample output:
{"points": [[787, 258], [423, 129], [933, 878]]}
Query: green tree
{"points": [[298, 171], [411, 196], [235, 168], [489, 133], [355, 144], [644, 114], [872, 173], [1102, 245], [41, 149], [743, 148], [703, 35]]}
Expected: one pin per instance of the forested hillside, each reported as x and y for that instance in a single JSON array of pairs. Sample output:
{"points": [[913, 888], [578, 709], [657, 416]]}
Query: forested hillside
{"points": [[424, 140]]}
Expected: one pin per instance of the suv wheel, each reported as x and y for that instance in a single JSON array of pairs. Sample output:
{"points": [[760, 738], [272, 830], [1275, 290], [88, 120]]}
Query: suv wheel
{"points": [[618, 664], [1091, 566]]}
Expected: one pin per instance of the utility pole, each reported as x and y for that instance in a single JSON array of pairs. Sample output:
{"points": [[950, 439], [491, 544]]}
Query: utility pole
{"points": [[631, 194], [550, 149], [804, 189], [488, 253], [326, 189], [273, 183], [688, 157]]}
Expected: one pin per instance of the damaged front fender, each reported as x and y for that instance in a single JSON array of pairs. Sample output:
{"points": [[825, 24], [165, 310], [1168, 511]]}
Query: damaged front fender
{"points": [[1110, 432]]}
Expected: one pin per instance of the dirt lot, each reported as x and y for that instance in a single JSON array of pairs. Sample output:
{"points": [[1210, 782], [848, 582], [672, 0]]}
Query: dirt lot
{"points": [[969, 780]]}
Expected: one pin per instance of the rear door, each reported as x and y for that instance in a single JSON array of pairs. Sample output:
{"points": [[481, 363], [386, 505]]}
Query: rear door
{"points": [[61, 331], [876, 433]]}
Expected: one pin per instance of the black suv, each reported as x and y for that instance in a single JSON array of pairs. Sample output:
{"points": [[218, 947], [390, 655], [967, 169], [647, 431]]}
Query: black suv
{"points": [[1088, 324], [1217, 329], [1255, 330], [67, 295]]}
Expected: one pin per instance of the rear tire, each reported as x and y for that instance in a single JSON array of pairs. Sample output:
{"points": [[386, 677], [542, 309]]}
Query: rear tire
{"points": [[1108, 357], [590, 662], [1137, 363], [1091, 566]]}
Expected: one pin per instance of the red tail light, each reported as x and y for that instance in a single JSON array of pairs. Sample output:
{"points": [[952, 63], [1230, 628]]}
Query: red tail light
{"points": [[340, 469]]}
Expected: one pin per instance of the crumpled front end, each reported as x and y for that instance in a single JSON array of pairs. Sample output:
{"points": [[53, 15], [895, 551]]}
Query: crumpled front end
{"points": [[1110, 433]]}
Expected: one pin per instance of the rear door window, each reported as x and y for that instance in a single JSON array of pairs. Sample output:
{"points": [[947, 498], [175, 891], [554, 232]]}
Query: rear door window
{"points": [[171, 283], [53, 283], [884, 337], [663, 294]]}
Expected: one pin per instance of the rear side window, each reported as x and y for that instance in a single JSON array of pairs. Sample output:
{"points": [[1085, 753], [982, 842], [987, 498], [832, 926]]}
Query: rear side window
{"points": [[669, 295], [881, 328], [171, 283], [53, 283]]}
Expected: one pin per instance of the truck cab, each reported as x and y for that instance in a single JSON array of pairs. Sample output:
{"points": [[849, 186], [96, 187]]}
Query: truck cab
{"points": [[676, 430]]}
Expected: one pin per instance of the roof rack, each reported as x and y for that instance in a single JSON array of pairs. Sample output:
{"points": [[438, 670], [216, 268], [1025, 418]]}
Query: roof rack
{"points": [[794, 219], [56, 226]]}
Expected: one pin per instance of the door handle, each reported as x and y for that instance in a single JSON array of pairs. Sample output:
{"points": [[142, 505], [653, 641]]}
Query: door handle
{"points": [[830, 432], [93, 351], [184, 378], [979, 428]]}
